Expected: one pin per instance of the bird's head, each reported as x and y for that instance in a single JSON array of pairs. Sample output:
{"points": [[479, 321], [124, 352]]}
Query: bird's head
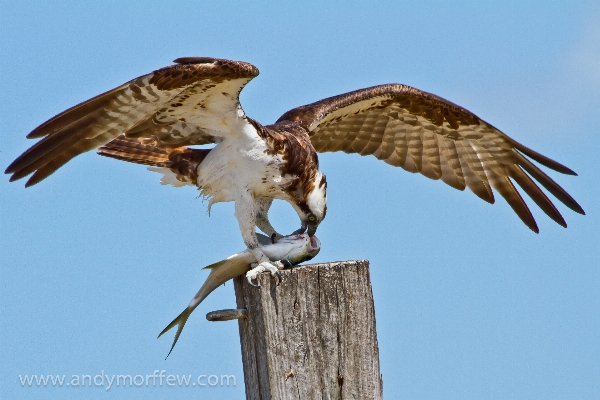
{"points": [[312, 207]]}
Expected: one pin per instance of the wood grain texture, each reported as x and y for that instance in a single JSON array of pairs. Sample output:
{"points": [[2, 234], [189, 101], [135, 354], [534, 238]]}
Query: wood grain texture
{"points": [[311, 337]]}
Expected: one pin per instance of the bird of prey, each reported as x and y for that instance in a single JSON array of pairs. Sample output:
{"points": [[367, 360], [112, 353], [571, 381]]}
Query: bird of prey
{"points": [[156, 118]]}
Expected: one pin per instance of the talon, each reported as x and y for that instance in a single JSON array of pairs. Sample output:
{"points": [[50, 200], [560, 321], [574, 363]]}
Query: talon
{"points": [[279, 278], [273, 237], [251, 283], [287, 264], [253, 274]]}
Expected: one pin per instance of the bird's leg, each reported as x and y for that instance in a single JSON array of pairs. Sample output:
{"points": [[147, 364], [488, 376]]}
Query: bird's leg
{"points": [[262, 219], [246, 216]]}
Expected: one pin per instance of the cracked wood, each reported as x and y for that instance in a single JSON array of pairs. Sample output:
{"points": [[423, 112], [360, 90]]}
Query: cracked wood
{"points": [[313, 336]]}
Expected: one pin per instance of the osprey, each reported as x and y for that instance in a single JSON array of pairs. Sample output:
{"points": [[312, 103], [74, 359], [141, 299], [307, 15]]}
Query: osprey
{"points": [[154, 119]]}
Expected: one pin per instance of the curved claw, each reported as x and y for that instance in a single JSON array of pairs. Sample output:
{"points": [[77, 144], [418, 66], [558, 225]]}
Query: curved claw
{"points": [[287, 264], [251, 283], [273, 238], [279, 278]]}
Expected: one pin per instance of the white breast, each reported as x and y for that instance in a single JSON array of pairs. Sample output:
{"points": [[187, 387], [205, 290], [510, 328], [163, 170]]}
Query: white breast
{"points": [[240, 163]]}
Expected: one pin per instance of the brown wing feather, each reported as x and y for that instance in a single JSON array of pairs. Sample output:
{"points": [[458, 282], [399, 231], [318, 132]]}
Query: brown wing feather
{"points": [[182, 161], [153, 106], [421, 132]]}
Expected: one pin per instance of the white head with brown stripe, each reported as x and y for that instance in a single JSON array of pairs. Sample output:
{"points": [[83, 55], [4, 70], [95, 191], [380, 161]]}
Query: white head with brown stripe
{"points": [[312, 205]]}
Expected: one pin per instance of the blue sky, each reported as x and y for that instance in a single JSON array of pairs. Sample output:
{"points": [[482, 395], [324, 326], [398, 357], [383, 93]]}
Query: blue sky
{"points": [[470, 304]]}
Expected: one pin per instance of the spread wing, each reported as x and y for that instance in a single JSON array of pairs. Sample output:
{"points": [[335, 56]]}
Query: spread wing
{"points": [[195, 101], [421, 132]]}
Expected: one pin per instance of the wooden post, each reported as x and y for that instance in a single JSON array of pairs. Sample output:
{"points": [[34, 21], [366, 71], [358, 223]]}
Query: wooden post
{"points": [[311, 337]]}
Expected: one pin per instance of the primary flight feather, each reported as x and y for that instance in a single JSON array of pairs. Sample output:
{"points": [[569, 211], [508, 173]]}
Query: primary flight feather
{"points": [[153, 119]]}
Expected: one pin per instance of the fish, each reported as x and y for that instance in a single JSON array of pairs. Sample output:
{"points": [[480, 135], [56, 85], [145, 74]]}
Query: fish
{"points": [[291, 250]]}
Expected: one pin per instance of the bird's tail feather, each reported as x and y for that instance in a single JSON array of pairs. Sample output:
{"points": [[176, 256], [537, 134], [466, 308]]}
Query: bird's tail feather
{"points": [[131, 150], [182, 161]]}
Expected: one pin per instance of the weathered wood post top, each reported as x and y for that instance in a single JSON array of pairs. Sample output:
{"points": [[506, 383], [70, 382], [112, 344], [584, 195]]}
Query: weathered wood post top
{"points": [[311, 337]]}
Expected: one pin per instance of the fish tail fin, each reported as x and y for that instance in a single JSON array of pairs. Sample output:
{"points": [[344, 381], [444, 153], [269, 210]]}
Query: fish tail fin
{"points": [[215, 265], [180, 322]]}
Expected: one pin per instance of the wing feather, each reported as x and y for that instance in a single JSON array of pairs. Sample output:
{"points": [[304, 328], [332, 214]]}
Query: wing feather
{"points": [[159, 106], [421, 132], [469, 155], [536, 194], [388, 139], [401, 145], [61, 159], [414, 142], [372, 134], [449, 176], [481, 188], [504, 186], [45, 150], [548, 183], [453, 161], [364, 134], [354, 123], [432, 152]]}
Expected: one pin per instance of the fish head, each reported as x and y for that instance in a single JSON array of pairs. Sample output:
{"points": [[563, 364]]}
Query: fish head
{"points": [[314, 246], [311, 245]]}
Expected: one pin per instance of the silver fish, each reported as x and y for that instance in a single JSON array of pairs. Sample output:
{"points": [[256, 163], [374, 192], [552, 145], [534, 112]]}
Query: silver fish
{"points": [[291, 250]]}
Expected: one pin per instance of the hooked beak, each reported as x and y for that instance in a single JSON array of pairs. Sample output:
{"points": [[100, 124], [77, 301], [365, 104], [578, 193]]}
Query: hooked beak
{"points": [[300, 231], [312, 229]]}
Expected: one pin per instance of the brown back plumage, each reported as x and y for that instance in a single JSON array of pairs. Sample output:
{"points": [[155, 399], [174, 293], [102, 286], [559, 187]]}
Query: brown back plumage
{"points": [[290, 140]]}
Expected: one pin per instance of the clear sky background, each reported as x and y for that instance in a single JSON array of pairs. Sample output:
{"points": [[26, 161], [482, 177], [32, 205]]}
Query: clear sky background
{"points": [[470, 304]]}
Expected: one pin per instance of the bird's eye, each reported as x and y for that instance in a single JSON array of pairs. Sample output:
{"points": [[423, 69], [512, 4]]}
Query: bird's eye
{"points": [[312, 218]]}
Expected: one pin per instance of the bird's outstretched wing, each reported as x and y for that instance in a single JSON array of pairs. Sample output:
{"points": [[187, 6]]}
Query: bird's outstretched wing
{"points": [[421, 132], [195, 101]]}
